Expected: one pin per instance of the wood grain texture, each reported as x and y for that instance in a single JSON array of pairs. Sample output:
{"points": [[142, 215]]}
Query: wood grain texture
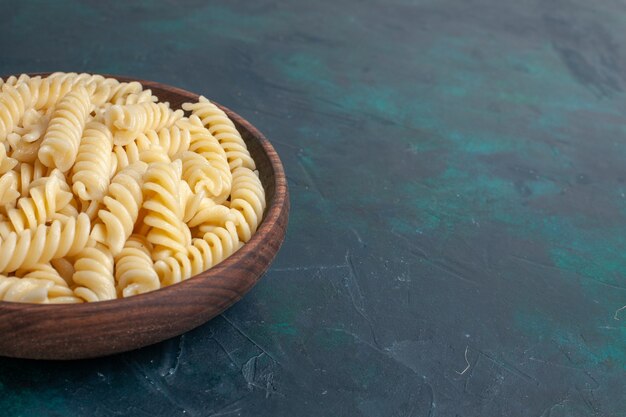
{"points": [[97, 329]]}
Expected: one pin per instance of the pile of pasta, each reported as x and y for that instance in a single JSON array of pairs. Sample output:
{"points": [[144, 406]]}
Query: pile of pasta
{"points": [[105, 192]]}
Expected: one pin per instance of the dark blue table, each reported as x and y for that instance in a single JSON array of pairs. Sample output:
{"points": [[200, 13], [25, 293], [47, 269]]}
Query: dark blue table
{"points": [[457, 244]]}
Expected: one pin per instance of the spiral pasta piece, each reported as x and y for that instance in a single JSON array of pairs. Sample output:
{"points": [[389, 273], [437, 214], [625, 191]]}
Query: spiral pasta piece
{"points": [[134, 273], [13, 81], [202, 254], [122, 203], [247, 202], [190, 201], [93, 274], [42, 206], [174, 139], [65, 268], [127, 122], [33, 290], [28, 174], [47, 92], [224, 130], [60, 143], [14, 101], [123, 90], [59, 292], [93, 163], [7, 163], [203, 143], [101, 89], [24, 249], [5, 228], [9, 189], [164, 212], [33, 126], [200, 175]]}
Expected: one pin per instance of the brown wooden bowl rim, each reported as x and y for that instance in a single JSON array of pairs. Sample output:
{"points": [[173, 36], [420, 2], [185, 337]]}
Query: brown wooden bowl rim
{"points": [[275, 207]]}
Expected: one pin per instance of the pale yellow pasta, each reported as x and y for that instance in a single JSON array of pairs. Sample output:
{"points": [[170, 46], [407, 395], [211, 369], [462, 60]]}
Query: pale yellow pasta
{"points": [[33, 290], [47, 92], [24, 249], [223, 129], [247, 202], [60, 143], [90, 178], [13, 81], [27, 174], [174, 139], [209, 212], [43, 205], [59, 292], [164, 212], [93, 274], [202, 254], [5, 228], [200, 175], [122, 204], [134, 273], [9, 189], [107, 193], [127, 122], [205, 144], [7, 163], [14, 101], [190, 201], [123, 90]]}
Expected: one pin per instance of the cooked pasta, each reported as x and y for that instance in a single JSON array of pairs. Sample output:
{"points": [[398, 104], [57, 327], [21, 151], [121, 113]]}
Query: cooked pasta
{"points": [[106, 193], [34, 290], [133, 268], [164, 213], [62, 139], [43, 205], [59, 292], [93, 274], [122, 208], [247, 202], [128, 121], [14, 101], [8, 189], [93, 163], [26, 248], [7, 163], [202, 254], [224, 131]]}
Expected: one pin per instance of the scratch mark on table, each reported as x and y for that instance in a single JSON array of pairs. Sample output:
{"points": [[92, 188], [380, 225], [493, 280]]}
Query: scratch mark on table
{"points": [[156, 385], [230, 356], [358, 236], [551, 407], [431, 391], [510, 368], [357, 296], [309, 268], [466, 361], [359, 339], [310, 179], [248, 338]]}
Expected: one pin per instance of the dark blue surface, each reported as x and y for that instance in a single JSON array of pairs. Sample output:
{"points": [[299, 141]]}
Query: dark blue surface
{"points": [[457, 238]]}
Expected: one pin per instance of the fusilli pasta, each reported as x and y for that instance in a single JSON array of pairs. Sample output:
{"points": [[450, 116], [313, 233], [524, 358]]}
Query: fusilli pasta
{"points": [[62, 139], [106, 192]]}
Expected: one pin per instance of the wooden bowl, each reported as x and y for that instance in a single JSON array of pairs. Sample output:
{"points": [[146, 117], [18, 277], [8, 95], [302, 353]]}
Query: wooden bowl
{"points": [[96, 329]]}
